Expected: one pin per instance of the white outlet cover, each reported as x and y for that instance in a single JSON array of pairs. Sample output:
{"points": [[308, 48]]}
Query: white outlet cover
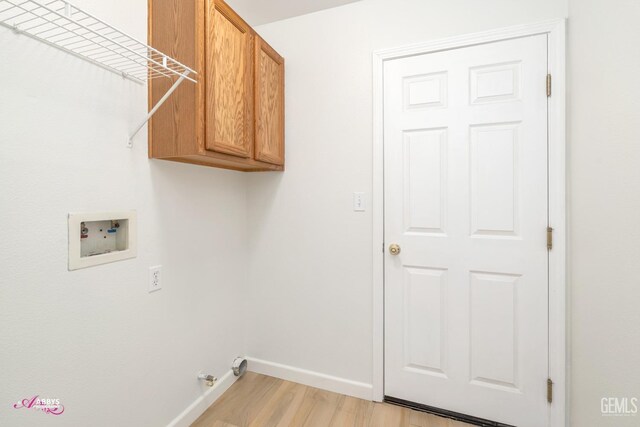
{"points": [[155, 278]]}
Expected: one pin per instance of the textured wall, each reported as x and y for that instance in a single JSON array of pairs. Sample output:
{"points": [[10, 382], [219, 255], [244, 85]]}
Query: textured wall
{"points": [[604, 118]]}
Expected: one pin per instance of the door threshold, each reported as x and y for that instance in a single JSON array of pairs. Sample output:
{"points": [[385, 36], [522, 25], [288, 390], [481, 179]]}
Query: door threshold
{"points": [[469, 419]]}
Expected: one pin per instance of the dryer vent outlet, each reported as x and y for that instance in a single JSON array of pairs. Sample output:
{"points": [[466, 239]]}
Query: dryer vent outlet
{"points": [[239, 366]]}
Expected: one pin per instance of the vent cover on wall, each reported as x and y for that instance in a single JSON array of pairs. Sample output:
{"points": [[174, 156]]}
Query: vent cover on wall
{"points": [[60, 24], [239, 366]]}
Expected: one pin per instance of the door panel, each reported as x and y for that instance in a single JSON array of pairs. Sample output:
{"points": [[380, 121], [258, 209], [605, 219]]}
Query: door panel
{"points": [[493, 180], [493, 311], [229, 102], [425, 169], [269, 110], [425, 321], [466, 199]]}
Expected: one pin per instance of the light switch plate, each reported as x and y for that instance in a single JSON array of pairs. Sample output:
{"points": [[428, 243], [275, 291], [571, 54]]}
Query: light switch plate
{"points": [[358, 202], [155, 278]]}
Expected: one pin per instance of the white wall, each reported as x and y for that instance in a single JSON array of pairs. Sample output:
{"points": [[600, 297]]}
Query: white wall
{"points": [[311, 261], [114, 354], [604, 124], [262, 12]]}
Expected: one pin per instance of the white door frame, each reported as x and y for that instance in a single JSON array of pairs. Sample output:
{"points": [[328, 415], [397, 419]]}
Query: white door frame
{"points": [[555, 30]]}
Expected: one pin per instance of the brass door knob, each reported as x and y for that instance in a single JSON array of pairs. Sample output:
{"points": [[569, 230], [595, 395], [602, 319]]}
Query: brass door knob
{"points": [[394, 249]]}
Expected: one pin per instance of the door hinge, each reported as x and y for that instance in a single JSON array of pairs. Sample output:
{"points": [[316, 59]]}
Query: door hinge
{"points": [[548, 85], [549, 390], [549, 238]]}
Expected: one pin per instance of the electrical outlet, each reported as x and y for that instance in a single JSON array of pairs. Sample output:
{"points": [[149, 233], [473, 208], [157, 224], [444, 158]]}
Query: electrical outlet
{"points": [[155, 278]]}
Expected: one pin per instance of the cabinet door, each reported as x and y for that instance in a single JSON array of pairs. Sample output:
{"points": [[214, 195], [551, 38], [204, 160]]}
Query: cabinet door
{"points": [[269, 107], [229, 81]]}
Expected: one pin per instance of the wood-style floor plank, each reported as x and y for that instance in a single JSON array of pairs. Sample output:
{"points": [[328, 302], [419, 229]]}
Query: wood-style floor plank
{"points": [[261, 401], [352, 412], [281, 407]]}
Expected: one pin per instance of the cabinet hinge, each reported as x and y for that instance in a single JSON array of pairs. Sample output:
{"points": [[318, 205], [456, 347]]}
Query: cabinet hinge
{"points": [[548, 85], [549, 390], [549, 238]]}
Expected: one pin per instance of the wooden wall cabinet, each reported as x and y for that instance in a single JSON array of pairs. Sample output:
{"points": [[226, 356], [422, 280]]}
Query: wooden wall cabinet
{"points": [[234, 117]]}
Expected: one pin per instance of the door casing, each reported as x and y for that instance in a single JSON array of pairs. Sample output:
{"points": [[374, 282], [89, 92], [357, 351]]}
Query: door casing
{"points": [[558, 329]]}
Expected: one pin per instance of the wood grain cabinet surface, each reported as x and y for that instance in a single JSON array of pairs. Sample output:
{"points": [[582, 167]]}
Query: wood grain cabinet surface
{"points": [[234, 117], [269, 104]]}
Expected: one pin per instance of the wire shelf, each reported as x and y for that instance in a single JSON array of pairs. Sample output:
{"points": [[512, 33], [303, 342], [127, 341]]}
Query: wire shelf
{"points": [[59, 23]]}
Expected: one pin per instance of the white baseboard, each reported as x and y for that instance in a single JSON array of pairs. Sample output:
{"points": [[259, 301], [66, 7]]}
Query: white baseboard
{"points": [[311, 378], [200, 405]]}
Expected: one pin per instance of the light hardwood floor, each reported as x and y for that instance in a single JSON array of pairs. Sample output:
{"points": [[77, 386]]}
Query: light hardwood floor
{"points": [[259, 401]]}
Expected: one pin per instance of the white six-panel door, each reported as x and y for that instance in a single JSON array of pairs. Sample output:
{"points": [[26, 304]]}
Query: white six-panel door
{"points": [[466, 299]]}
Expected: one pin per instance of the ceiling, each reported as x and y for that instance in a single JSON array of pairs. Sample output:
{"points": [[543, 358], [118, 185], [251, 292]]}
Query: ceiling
{"points": [[258, 12]]}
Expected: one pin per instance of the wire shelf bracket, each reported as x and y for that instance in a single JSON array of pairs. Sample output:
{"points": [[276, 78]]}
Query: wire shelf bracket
{"points": [[60, 24]]}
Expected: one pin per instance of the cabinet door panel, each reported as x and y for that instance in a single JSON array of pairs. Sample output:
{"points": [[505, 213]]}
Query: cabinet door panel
{"points": [[269, 107], [229, 105]]}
